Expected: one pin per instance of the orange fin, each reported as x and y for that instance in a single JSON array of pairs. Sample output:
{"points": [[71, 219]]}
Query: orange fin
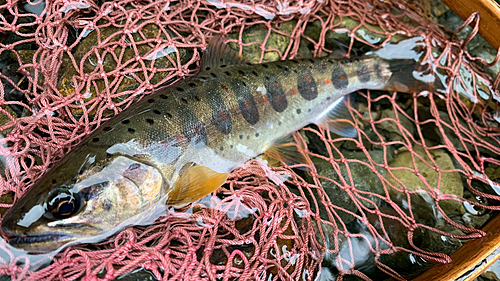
{"points": [[196, 182], [339, 120], [287, 150]]}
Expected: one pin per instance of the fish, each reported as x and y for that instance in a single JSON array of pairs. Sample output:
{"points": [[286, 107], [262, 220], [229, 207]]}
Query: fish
{"points": [[180, 143]]}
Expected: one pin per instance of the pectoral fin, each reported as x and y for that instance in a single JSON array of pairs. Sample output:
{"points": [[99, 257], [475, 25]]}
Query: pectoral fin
{"points": [[195, 182], [338, 120]]}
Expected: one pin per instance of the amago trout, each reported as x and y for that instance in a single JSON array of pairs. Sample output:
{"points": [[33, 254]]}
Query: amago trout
{"points": [[178, 145]]}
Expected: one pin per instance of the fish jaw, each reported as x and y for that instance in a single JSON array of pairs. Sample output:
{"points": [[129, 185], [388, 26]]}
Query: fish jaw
{"points": [[109, 199], [39, 243]]}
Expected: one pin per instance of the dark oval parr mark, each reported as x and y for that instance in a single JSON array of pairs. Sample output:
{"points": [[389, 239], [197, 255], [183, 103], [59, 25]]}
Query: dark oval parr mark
{"points": [[220, 114], [246, 102], [307, 85], [275, 93], [363, 73], [339, 78]]}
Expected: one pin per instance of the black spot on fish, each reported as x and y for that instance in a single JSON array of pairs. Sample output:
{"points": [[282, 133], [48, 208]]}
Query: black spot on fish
{"points": [[256, 135], [163, 97], [363, 73], [130, 130], [151, 100], [213, 75], [248, 137], [241, 137], [265, 65], [107, 204], [220, 114], [339, 78], [275, 92], [231, 146], [134, 166], [180, 89], [107, 129], [299, 111], [246, 102], [184, 100], [95, 140], [197, 98], [307, 85], [221, 148], [168, 115], [227, 73], [241, 72], [255, 74], [126, 121], [192, 128], [156, 111], [279, 66], [54, 181], [222, 65], [208, 68], [150, 121], [192, 85], [294, 61]]}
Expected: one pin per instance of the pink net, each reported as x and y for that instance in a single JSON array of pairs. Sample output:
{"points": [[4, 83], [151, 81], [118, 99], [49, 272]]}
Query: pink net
{"points": [[78, 62]]}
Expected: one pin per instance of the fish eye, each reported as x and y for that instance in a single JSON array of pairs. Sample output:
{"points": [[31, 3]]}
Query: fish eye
{"points": [[63, 204]]}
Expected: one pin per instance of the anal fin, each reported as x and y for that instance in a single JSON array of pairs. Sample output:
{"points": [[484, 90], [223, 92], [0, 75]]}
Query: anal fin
{"points": [[339, 120], [287, 149], [195, 182]]}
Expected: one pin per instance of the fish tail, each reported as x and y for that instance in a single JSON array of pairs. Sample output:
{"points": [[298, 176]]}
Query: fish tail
{"points": [[408, 68], [409, 76]]}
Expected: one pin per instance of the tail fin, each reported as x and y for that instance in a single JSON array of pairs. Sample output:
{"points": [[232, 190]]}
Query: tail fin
{"points": [[410, 76], [408, 72]]}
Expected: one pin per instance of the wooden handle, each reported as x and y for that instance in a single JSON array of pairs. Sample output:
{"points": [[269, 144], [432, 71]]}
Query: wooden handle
{"points": [[471, 259], [489, 11]]}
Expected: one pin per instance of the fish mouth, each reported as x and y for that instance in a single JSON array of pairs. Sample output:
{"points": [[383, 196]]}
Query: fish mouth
{"points": [[39, 243]]}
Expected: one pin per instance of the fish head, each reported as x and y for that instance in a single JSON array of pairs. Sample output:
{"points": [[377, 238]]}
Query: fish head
{"points": [[91, 206]]}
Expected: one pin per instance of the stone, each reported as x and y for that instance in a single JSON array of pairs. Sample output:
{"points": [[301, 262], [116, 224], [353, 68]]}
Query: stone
{"points": [[257, 33], [450, 182], [391, 126]]}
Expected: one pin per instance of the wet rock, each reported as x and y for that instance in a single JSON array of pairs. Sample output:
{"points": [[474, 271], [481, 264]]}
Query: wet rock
{"points": [[364, 180], [391, 127], [450, 182], [140, 274], [284, 246], [336, 195], [150, 31], [436, 242], [257, 33], [433, 134], [5, 118], [7, 198], [492, 171], [492, 273], [475, 221], [335, 40]]}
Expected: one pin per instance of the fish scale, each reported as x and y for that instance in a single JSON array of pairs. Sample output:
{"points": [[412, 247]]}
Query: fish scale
{"points": [[179, 144]]}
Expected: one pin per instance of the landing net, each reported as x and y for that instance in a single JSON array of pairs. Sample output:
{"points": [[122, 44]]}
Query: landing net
{"points": [[67, 66]]}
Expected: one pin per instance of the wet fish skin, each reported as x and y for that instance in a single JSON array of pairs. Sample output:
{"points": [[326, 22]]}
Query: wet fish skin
{"points": [[124, 171]]}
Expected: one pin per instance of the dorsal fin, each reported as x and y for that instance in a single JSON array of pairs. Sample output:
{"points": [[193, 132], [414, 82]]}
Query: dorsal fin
{"points": [[218, 54]]}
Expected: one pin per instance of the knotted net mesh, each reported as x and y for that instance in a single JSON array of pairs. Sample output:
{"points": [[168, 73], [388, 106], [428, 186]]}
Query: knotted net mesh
{"points": [[67, 66]]}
